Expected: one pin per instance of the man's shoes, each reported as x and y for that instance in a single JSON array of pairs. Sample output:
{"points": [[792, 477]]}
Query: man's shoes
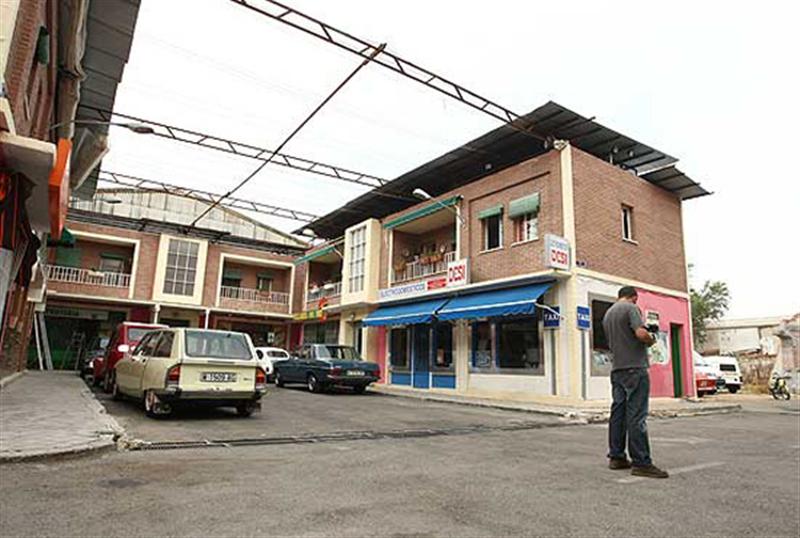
{"points": [[649, 471], [616, 464]]}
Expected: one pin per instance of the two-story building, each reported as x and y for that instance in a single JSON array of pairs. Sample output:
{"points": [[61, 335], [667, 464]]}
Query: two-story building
{"points": [[488, 270], [134, 257]]}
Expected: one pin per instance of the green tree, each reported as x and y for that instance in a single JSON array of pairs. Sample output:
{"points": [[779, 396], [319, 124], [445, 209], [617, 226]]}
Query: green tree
{"points": [[708, 304]]}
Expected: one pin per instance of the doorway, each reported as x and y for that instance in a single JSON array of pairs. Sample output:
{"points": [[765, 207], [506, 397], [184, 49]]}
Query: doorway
{"points": [[675, 346], [421, 353]]}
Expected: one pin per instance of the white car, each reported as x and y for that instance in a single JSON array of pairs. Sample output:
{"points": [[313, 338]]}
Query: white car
{"points": [[728, 369], [267, 355]]}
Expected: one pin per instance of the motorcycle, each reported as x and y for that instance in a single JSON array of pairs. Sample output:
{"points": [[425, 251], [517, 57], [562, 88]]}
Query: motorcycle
{"points": [[779, 389]]}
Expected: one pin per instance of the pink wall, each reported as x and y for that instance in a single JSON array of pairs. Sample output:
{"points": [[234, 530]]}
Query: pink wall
{"points": [[672, 310]]}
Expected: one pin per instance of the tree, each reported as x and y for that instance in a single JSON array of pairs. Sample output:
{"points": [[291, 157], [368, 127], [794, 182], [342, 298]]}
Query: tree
{"points": [[708, 304]]}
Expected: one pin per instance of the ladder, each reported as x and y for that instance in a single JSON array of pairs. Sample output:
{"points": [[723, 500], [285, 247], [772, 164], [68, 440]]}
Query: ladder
{"points": [[75, 350]]}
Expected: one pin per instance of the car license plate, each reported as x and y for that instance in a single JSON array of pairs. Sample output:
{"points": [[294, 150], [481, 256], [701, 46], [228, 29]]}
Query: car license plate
{"points": [[218, 377], [355, 373]]}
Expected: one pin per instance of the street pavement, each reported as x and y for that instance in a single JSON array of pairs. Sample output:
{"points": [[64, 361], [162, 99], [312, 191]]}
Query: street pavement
{"points": [[732, 475]]}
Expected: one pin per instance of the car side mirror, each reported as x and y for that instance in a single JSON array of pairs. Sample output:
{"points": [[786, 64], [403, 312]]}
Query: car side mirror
{"points": [[123, 348], [259, 354]]}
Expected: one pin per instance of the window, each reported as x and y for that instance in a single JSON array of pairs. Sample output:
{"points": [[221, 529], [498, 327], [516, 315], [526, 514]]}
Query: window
{"points": [[181, 267], [493, 232], [164, 348], [232, 282], [526, 227], [601, 353], [342, 353], [264, 283], [627, 223], [147, 347], [217, 345], [482, 347], [321, 333], [358, 253], [519, 345], [443, 346], [112, 264], [398, 349]]}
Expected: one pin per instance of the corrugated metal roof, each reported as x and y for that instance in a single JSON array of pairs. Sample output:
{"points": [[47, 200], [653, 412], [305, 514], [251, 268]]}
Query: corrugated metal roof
{"points": [[504, 147]]}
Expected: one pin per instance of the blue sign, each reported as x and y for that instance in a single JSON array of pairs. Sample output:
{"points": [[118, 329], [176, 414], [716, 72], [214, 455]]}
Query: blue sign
{"points": [[552, 317], [584, 318]]}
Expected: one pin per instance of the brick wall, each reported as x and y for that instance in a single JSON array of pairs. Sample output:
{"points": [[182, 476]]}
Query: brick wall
{"points": [[538, 175], [601, 189], [280, 277], [31, 86]]}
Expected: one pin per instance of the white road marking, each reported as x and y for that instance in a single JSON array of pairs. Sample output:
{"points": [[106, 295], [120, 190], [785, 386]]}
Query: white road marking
{"points": [[687, 440], [673, 472]]}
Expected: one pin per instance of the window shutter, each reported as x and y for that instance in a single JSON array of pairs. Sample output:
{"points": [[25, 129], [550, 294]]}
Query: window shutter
{"points": [[235, 274], [490, 212], [522, 206], [68, 257]]}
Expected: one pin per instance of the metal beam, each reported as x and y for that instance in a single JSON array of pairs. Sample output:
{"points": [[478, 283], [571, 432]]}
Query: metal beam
{"points": [[152, 185], [305, 23], [179, 134]]}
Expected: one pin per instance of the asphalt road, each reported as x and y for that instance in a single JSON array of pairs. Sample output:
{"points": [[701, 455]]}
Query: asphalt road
{"points": [[733, 475]]}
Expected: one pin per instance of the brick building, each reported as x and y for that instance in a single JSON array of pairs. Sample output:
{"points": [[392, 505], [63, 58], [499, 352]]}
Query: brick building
{"points": [[489, 269], [55, 57], [132, 259]]}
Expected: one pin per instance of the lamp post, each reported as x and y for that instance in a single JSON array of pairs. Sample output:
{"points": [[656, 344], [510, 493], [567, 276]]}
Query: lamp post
{"points": [[423, 195], [138, 128]]}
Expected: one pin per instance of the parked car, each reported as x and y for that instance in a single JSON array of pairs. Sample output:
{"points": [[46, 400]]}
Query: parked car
{"points": [[267, 356], [727, 368], [89, 359], [321, 366], [124, 338], [191, 366], [705, 376]]}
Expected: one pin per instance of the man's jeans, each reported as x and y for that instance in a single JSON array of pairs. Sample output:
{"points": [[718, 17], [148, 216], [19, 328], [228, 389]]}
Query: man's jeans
{"points": [[631, 392]]}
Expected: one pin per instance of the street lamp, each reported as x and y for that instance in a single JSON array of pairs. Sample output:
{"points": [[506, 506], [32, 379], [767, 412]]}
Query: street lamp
{"points": [[423, 195], [138, 128]]}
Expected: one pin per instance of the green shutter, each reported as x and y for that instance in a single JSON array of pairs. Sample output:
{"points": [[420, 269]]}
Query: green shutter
{"points": [[68, 257], [315, 255], [522, 206], [422, 212], [234, 274], [491, 212], [268, 275], [112, 256]]}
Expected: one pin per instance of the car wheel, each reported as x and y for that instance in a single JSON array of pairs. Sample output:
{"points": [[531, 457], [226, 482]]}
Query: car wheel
{"points": [[115, 393], [700, 393], [359, 389], [245, 409], [278, 379], [313, 383], [733, 390]]}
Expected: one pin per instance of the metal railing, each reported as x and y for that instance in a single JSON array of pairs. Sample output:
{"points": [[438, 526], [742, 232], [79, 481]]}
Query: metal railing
{"points": [[77, 275], [333, 289], [254, 295], [417, 269]]}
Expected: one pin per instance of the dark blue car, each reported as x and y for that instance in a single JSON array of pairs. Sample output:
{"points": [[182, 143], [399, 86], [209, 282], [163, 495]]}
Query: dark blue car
{"points": [[321, 366]]}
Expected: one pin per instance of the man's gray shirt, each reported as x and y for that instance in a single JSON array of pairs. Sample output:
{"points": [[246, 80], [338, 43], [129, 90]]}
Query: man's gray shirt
{"points": [[620, 324]]}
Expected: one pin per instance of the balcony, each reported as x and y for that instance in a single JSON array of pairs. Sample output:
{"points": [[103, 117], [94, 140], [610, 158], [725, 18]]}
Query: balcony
{"points": [[331, 291], [421, 267], [81, 281], [253, 300]]}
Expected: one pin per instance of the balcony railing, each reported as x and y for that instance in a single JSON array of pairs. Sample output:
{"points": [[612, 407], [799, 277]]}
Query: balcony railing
{"points": [[76, 275], [417, 269], [331, 290], [254, 295]]}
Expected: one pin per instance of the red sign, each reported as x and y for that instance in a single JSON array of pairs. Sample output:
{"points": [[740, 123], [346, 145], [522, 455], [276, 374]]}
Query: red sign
{"points": [[437, 283]]}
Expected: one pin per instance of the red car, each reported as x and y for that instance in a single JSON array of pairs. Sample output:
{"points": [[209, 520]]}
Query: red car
{"points": [[124, 339], [705, 376]]}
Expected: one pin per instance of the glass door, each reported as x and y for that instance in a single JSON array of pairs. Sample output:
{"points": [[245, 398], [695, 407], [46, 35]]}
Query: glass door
{"points": [[421, 354]]}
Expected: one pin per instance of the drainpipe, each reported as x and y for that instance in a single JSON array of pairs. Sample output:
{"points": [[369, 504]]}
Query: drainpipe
{"points": [[156, 310], [208, 315]]}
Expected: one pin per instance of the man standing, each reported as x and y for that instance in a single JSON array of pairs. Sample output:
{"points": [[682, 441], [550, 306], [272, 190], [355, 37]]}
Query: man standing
{"points": [[630, 384]]}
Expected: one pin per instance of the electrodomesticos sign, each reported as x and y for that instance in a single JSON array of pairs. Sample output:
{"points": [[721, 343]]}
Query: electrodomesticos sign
{"points": [[457, 275], [557, 252]]}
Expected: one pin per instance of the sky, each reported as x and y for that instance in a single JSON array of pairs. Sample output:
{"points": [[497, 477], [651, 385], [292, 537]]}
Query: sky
{"points": [[709, 83]]}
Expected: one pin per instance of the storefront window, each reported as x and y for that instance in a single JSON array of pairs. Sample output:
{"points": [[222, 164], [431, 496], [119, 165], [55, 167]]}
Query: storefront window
{"points": [[398, 350], [519, 345], [601, 354], [321, 333], [443, 346], [482, 356]]}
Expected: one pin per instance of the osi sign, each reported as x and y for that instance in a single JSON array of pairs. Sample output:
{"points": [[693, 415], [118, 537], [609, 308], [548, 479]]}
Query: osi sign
{"points": [[556, 252]]}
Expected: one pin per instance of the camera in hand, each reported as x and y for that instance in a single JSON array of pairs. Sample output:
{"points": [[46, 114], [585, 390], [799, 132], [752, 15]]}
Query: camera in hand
{"points": [[652, 328]]}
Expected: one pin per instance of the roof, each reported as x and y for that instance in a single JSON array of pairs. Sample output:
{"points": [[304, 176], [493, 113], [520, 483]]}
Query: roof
{"points": [[507, 146], [110, 26]]}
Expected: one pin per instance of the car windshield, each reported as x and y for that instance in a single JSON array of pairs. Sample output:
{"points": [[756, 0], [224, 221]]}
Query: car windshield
{"points": [[217, 345], [135, 333], [277, 354], [346, 353]]}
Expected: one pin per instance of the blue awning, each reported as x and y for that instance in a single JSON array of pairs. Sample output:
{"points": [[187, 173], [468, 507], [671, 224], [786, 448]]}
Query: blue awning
{"points": [[507, 302], [406, 314]]}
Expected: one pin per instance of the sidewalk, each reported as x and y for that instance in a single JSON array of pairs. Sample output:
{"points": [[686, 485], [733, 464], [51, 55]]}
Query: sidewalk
{"points": [[593, 411], [52, 413]]}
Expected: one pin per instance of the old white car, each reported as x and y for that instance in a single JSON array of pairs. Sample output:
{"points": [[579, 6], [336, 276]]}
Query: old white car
{"points": [[191, 366]]}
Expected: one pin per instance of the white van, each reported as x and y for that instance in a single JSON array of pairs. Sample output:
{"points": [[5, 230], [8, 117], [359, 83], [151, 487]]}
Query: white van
{"points": [[728, 369]]}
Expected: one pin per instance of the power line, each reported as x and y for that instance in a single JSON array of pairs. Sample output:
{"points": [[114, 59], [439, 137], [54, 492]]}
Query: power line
{"points": [[294, 132], [204, 196], [218, 143], [305, 23]]}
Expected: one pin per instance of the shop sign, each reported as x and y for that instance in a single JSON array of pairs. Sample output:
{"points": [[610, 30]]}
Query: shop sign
{"points": [[584, 318], [557, 252], [457, 275], [552, 317], [77, 313], [307, 315]]}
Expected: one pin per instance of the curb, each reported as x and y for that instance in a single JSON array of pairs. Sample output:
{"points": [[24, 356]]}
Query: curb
{"points": [[579, 415], [11, 378], [61, 455]]}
